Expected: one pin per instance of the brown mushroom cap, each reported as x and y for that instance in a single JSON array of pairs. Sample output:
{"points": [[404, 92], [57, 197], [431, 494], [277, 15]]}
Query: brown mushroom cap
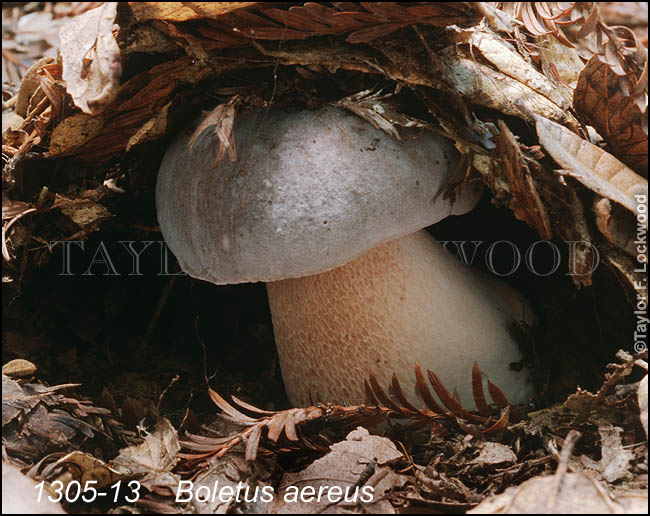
{"points": [[309, 192]]}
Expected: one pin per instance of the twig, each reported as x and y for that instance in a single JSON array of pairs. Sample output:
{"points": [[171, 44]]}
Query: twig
{"points": [[563, 466], [156, 315], [5, 229]]}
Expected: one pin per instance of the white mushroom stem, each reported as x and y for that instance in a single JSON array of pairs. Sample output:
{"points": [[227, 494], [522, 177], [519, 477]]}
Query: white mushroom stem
{"points": [[405, 301]]}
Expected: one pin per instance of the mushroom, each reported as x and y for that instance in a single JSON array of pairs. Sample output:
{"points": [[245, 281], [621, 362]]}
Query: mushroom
{"points": [[329, 212]]}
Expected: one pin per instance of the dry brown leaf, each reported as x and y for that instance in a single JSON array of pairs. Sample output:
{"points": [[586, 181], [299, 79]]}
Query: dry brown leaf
{"points": [[11, 121], [494, 453], [91, 58], [628, 270], [497, 19], [507, 60], [615, 458], [73, 132], [28, 86], [145, 93], [152, 129], [483, 85], [559, 62], [525, 201], [14, 400], [154, 459], [86, 214], [593, 167], [190, 43], [184, 11], [616, 224], [86, 467], [600, 103], [354, 464], [223, 474], [375, 108], [580, 401], [576, 493]]}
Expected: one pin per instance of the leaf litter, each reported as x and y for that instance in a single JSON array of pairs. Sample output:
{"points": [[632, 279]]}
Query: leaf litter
{"points": [[92, 106]]}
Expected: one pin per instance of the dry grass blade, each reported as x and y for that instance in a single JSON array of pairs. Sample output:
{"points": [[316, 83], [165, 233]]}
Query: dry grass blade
{"points": [[276, 426], [198, 456], [379, 393], [500, 424], [529, 17], [497, 395], [615, 46], [590, 23], [273, 33], [371, 33], [253, 442], [371, 399], [230, 410], [399, 394], [296, 20], [477, 389], [200, 440], [450, 401], [252, 408], [290, 425], [423, 391]]}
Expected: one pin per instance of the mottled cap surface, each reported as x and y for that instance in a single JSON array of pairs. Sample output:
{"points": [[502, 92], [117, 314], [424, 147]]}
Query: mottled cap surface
{"points": [[309, 191]]}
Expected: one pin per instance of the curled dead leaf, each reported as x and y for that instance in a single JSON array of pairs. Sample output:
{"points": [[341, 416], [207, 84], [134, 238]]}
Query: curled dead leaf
{"points": [[485, 86], [152, 129], [11, 121], [29, 85], [153, 460], [615, 457], [592, 166], [376, 108], [88, 467], [361, 460], [524, 199], [91, 58], [222, 118], [616, 224], [508, 61], [559, 62], [615, 116]]}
